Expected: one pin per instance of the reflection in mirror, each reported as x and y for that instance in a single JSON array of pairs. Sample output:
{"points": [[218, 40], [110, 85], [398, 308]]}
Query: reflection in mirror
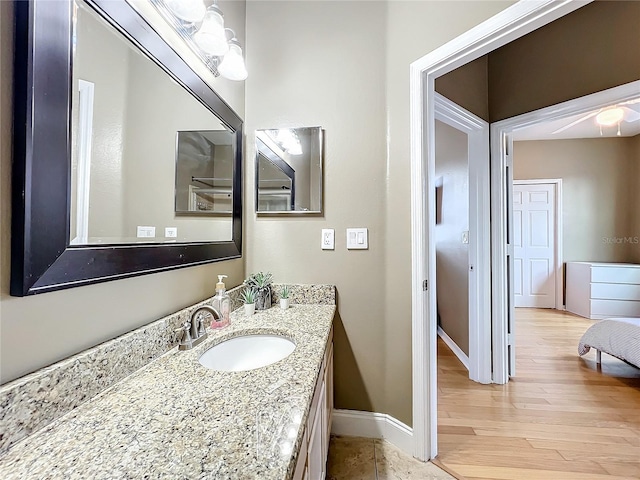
{"points": [[204, 172], [142, 146], [289, 170]]}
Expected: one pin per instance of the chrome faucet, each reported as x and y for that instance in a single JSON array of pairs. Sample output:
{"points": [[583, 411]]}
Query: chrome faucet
{"points": [[194, 331]]}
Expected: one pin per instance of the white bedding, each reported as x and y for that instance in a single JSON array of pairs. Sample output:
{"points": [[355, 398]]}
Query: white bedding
{"points": [[619, 337]]}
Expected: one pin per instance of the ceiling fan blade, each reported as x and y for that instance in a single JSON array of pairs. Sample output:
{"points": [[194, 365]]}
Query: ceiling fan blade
{"points": [[630, 115], [575, 122]]}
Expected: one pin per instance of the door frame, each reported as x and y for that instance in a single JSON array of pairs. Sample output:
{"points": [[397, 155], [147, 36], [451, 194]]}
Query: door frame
{"points": [[557, 228], [501, 170], [513, 22], [477, 131]]}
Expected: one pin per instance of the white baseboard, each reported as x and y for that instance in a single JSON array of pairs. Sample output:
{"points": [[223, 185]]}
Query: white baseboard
{"points": [[454, 347], [373, 425]]}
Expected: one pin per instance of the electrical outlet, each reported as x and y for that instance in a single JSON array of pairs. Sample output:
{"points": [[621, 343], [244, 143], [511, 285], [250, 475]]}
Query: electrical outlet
{"points": [[146, 232], [328, 239]]}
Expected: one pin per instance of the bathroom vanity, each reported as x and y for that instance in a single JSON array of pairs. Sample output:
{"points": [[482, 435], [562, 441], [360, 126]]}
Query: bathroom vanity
{"points": [[174, 418]]}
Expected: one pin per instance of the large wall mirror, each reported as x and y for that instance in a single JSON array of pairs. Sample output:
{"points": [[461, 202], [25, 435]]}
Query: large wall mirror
{"points": [[129, 162], [289, 170]]}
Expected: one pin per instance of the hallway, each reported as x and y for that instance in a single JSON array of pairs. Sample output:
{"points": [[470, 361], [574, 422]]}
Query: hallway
{"points": [[560, 418]]}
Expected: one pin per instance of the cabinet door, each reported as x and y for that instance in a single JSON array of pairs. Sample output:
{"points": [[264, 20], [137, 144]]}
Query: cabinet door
{"points": [[316, 459], [329, 400], [300, 473]]}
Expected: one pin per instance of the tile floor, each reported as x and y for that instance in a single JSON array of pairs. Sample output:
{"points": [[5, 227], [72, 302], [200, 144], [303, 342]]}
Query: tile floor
{"points": [[355, 458]]}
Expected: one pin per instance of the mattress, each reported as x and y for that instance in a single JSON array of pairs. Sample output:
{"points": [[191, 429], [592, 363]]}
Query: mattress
{"points": [[619, 337]]}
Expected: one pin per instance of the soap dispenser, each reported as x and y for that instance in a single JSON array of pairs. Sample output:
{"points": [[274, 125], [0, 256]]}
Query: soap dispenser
{"points": [[222, 303]]}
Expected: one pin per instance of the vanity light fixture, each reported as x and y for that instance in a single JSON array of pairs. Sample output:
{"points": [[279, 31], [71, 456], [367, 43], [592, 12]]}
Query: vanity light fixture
{"points": [[211, 37], [201, 25], [190, 11], [232, 65]]}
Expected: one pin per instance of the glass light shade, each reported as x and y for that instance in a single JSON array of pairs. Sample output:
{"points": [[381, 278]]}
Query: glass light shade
{"points": [[211, 37], [610, 116], [232, 65], [190, 11]]}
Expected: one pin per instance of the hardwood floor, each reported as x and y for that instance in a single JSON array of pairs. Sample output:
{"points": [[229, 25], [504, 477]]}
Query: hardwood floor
{"points": [[560, 418]]}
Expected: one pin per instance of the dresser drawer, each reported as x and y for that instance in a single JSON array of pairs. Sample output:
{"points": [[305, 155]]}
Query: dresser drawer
{"points": [[614, 308], [615, 274], [615, 291]]}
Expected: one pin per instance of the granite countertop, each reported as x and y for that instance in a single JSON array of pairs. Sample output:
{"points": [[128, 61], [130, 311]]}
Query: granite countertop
{"points": [[176, 419]]}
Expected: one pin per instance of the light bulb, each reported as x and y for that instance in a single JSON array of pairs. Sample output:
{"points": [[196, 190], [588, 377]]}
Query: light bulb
{"points": [[211, 37], [610, 117], [232, 65], [190, 11]]}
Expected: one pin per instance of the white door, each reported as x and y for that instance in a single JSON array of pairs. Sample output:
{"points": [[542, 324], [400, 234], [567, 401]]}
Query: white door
{"points": [[534, 279]]}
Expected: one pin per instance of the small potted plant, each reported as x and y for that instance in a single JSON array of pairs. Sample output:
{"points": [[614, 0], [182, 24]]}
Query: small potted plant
{"points": [[284, 298], [249, 299], [260, 283]]}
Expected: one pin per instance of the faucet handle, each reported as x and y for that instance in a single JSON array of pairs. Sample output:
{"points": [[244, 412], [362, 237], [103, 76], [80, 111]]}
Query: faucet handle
{"points": [[185, 339], [200, 323]]}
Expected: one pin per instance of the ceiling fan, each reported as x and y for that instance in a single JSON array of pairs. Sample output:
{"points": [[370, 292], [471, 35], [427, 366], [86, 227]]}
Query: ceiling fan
{"points": [[609, 116]]}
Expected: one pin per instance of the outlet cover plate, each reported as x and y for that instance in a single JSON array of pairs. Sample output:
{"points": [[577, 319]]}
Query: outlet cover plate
{"points": [[328, 239], [146, 232]]}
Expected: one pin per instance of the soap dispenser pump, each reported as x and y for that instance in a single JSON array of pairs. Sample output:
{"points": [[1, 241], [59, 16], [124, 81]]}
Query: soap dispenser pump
{"points": [[222, 303]]}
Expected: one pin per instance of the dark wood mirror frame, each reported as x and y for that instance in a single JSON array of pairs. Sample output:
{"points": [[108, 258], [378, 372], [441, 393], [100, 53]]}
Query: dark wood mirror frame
{"points": [[41, 258]]}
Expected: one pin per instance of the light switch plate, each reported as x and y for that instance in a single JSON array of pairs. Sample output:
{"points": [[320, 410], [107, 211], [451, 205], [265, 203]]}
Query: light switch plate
{"points": [[146, 232], [465, 237], [357, 239], [328, 239], [170, 232]]}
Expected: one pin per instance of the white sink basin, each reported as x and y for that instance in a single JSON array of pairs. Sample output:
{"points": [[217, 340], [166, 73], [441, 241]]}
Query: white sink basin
{"points": [[247, 352]]}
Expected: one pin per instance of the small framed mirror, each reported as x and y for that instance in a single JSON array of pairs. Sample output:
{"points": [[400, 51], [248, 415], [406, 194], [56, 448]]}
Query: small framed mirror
{"points": [[289, 170]]}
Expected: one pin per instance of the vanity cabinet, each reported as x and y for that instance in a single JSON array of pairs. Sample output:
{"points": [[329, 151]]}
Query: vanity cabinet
{"points": [[312, 458]]}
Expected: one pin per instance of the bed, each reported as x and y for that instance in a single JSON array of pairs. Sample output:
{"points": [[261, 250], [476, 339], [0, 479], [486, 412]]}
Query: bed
{"points": [[619, 337]]}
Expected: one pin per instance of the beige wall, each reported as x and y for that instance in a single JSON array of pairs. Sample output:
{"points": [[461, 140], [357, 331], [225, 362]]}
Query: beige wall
{"points": [[149, 154], [468, 86], [345, 66], [592, 49], [39, 330], [599, 192], [105, 63], [452, 256], [307, 66]]}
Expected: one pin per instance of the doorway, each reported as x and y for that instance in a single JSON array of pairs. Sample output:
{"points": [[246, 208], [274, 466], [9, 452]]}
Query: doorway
{"points": [[461, 235], [508, 25], [503, 237], [537, 234]]}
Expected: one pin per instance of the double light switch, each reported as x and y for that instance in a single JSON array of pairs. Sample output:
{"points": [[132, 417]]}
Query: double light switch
{"points": [[357, 239]]}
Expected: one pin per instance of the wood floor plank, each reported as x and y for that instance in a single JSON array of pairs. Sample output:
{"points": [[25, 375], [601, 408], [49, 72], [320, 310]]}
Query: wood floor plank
{"points": [[508, 473], [562, 417]]}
